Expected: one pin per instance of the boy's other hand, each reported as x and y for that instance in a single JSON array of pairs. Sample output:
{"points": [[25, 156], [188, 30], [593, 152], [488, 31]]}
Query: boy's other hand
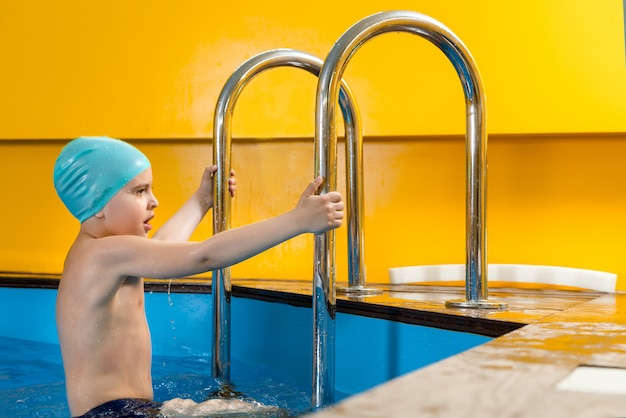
{"points": [[322, 212]]}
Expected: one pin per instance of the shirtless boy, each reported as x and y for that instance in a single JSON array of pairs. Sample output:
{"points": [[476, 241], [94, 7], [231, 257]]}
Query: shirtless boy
{"points": [[105, 341]]}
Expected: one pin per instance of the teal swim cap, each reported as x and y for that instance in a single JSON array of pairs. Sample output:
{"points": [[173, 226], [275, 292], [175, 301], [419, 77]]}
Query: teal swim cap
{"points": [[91, 170]]}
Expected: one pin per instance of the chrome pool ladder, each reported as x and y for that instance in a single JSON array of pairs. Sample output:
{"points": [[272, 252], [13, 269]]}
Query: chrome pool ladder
{"points": [[476, 138], [323, 350]]}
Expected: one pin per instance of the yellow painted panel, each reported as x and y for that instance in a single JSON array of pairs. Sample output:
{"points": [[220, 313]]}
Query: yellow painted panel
{"points": [[552, 200], [148, 69]]}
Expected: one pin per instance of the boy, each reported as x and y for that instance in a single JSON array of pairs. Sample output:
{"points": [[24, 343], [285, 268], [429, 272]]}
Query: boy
{"points": [[105, 341]]}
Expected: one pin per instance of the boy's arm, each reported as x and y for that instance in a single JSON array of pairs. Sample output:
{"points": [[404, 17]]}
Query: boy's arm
{"points": [[136, 256], [182, 224]]}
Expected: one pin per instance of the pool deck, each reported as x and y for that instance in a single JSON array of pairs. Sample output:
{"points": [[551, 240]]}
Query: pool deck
{"points": [[544, 335], [518, 373], [539, 340]]}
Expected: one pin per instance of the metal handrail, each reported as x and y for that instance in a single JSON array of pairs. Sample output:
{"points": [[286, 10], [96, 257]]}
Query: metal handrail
{"points": [[476, 140], [221, 211]]}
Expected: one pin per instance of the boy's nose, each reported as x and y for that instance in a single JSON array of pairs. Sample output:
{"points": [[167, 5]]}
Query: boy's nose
{"points": [[153, 202]]}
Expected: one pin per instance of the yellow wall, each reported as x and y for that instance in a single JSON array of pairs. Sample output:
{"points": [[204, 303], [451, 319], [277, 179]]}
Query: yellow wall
{"points": [[153, 69], [552, 200], [150, 72]]}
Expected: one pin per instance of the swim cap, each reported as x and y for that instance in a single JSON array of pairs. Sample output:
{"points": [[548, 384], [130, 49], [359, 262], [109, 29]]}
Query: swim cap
{"points": [[91, 170]]}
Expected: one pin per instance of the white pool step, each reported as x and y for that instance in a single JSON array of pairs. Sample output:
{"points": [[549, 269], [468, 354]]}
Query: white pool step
{"points": [[516, 273]]}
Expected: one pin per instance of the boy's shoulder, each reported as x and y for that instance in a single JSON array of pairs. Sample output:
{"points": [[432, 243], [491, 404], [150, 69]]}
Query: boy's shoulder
{"points": [[93, 263], [89, 250]]}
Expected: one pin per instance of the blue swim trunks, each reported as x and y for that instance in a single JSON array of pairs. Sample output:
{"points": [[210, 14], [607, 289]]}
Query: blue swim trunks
{"points": [[126, 408]]}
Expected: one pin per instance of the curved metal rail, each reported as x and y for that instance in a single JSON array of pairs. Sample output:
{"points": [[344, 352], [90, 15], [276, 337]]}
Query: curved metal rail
{"points": [[476, 148], [221, 211]]}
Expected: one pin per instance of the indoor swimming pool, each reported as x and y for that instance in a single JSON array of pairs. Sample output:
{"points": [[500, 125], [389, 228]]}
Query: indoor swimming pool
{"points": [[271, 352]]}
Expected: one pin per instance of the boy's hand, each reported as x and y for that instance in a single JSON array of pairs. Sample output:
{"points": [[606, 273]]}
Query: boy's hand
{"points": [[205, 191], [321, 212]]}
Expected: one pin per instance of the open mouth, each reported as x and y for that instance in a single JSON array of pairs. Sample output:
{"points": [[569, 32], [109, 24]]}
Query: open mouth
{"points": [[146, 223]]}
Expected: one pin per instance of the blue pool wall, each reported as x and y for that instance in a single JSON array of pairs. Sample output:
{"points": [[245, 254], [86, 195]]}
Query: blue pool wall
{"points": [[265, 335]]}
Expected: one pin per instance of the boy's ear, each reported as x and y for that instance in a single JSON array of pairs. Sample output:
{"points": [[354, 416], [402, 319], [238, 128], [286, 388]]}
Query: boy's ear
{"points": [[99, 215]]}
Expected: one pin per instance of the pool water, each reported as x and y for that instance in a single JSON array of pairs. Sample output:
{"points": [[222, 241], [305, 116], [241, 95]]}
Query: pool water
{"points": [[32, 382], [270, 352], [31, 379]]}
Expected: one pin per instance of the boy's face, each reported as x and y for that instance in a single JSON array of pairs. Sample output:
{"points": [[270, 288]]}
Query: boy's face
{"points": [[131, 209]]}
